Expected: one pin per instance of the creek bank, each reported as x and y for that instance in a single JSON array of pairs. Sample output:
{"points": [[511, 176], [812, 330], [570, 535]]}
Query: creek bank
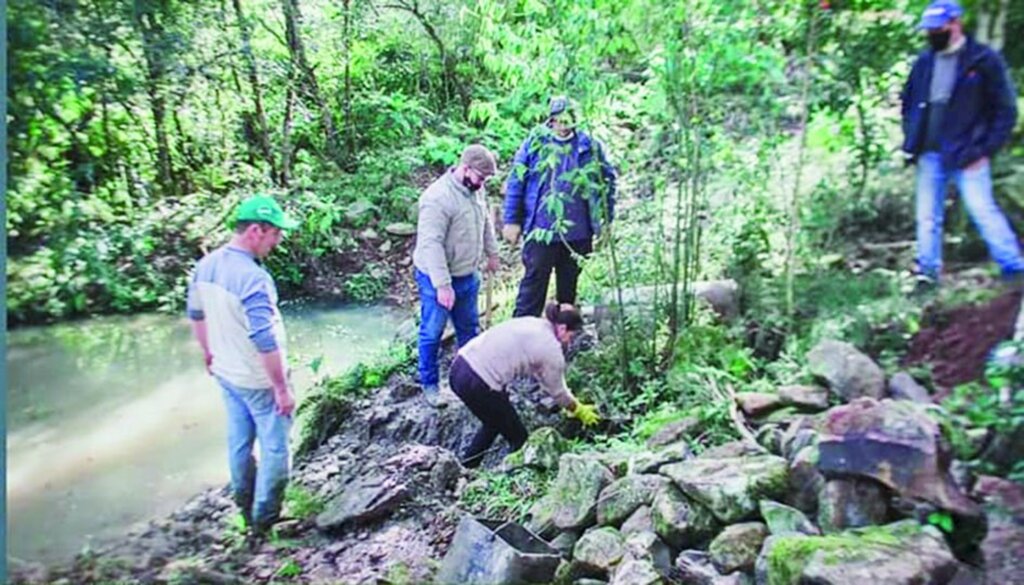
{"points": [[388, 483]]}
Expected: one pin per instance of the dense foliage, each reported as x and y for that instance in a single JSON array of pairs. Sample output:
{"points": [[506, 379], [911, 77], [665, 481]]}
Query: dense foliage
{"points": [[134, 126]]}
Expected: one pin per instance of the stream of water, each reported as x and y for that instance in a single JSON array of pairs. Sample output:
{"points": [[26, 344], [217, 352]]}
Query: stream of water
{"points": [[113, 420]]}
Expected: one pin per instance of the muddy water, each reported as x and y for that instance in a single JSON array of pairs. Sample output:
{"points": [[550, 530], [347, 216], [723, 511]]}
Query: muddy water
{"points": [[113, 421]]}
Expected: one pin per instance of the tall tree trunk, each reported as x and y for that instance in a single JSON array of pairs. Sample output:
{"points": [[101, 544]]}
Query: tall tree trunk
{"points": [[443, 57], [793, 224], [262, 134], [286, 138], [991, 22], [998, 37], [307, 77], [152, 33], [347, 99]]}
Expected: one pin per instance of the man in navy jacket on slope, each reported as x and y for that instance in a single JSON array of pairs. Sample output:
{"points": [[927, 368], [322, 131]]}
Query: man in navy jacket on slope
{"points": [[959, 109]]}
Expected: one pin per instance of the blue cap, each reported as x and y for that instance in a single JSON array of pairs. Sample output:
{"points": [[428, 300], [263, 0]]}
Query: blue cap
{"points": [[939, 13], [558, 106]]}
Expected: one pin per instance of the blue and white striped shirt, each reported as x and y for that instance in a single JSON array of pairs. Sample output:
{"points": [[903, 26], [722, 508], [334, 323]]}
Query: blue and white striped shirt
{"points": [[238, 300]]}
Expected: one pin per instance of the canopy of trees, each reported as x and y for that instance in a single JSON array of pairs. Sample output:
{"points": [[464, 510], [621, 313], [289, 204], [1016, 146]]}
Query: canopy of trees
{"points": [[135, 124]]}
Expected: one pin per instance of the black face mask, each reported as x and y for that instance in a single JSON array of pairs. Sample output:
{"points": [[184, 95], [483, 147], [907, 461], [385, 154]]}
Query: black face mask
{"points": [[469, 184], [939, 41]]}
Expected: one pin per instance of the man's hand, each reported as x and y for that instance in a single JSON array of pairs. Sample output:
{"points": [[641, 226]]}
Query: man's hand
{"points": [[446, 297], [208, 358], [493, 264], [585, 413], [284, 400], [511, 233], [977, 164], [906, 158]]}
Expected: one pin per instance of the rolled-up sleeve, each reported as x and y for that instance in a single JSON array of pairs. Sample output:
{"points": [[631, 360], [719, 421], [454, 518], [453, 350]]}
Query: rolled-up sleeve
{"points": [[260, 312]]}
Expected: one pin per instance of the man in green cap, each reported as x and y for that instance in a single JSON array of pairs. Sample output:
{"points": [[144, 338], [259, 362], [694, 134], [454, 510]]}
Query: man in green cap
{"points": [[232, 304]]}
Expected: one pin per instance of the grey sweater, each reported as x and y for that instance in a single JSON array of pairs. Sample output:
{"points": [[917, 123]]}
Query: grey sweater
{"points": [[454, 231], [520, 346], [943, 80]]}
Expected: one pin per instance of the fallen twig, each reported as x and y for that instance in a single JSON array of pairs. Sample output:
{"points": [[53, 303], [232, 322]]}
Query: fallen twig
{"points": [[734, 414]]}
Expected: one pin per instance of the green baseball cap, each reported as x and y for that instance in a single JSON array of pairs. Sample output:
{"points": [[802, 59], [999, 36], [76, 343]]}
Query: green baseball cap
{"points": [[265, 209]]}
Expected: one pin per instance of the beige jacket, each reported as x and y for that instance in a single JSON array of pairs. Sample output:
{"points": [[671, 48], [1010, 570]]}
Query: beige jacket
{"points": [[524, 346], [455, 233]]}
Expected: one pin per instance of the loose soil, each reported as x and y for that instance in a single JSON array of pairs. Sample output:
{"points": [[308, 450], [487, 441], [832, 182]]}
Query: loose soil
{"points": [[956, 343]]}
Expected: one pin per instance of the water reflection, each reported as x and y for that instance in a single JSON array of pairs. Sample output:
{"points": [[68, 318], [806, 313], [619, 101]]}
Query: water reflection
{"points": [[114, 420]]}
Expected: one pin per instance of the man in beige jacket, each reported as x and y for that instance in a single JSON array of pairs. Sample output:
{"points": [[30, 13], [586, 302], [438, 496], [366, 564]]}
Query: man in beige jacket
{"points": [[453, 235]]}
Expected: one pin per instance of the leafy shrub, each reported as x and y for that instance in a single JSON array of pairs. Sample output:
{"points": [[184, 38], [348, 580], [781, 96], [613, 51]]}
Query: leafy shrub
{"points": [[368, 285]]}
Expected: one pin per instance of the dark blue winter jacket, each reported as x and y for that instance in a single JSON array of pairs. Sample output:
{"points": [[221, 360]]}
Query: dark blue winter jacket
{"points": [[981, 112], [582, 175]]}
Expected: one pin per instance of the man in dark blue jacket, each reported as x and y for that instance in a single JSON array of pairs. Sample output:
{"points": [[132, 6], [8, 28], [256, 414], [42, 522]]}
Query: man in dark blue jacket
{"points": [[959, 108], [560, 193]]}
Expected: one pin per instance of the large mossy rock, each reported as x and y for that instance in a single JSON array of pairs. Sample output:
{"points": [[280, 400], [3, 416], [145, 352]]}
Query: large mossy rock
{"points": [[755, 404], [598, 551], [782, 520], [639, 521], [895, 443], [647, 546], [851, 503], [804, 397], [902, 553], [903, 386], [805, 481], [850, 374], [731, 487], [637, 572], [651, 461], [571, 502], [675, 431], [679, 521], [542, 450], [623, 496], [736, 548]]}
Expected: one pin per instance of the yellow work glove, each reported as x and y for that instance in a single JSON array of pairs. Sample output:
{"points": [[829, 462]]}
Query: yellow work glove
{"points": [[586, 414]]}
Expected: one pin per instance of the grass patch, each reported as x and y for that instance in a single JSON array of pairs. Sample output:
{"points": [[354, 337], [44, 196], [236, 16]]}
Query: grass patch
{"points": [[301, 503], [505, 495]]}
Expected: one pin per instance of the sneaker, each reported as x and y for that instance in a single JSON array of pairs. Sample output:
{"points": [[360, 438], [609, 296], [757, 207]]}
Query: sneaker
{"points": [[924, 284], [432, 394]]}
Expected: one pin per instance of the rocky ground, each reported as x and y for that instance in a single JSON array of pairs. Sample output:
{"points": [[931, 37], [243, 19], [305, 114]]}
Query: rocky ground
{"points": [[862, 491], [390, 481], [846, 481]]}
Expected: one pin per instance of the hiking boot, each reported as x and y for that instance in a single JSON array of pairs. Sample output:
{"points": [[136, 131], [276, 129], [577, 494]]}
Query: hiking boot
{"points": [[432, 395]]}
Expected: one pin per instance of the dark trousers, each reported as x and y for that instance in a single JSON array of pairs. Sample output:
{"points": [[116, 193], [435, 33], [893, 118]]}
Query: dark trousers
{"points": [[539, 260], [493, 409]]}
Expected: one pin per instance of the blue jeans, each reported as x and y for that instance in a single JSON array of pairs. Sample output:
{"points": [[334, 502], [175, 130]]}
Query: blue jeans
{"points": [[433, 317], [976, 191], [258, 490]]}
